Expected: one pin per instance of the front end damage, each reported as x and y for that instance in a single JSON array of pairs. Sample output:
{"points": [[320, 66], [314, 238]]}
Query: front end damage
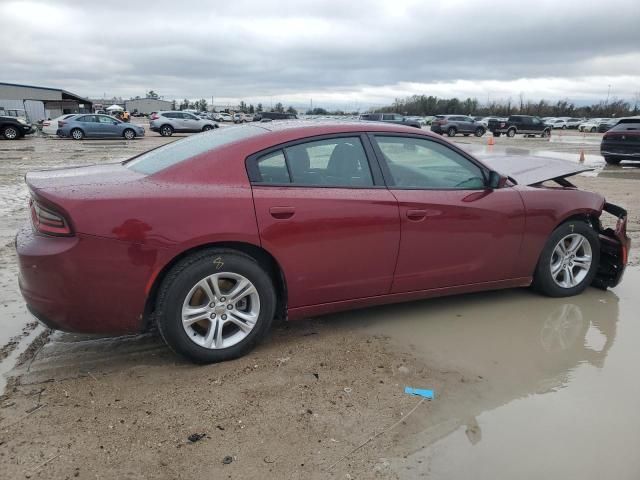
{"points": [[614, 249]]}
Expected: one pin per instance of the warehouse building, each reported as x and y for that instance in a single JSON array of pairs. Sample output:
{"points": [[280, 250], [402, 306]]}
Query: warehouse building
{"points": [[41, 103], [146, 105]]}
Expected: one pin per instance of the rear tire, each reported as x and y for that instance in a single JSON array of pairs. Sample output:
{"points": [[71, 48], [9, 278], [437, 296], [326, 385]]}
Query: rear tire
{"points": [[593, 130], [511, 132], [612, 160], [129, 134], [214, 310], [77, 134], [563, 275], [166, 130], [10, 133], [451, 132]]}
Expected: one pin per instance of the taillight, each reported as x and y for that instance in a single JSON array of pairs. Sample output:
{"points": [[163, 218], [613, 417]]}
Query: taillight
{"points": [[60, 124], [155, 116], [48, 221]]}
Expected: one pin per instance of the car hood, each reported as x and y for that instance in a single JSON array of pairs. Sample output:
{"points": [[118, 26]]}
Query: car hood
{"points": [[526, 170]]}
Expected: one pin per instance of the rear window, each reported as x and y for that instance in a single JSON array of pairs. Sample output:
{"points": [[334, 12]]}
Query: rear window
{"points": [[181, 150]]}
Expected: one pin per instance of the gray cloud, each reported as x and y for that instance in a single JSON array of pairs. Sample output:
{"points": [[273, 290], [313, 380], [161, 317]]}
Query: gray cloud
{"points": [[334, 49]]}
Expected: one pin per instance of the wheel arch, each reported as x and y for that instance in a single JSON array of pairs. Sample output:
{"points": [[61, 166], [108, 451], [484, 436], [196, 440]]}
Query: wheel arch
{"points": [[262, 256]]}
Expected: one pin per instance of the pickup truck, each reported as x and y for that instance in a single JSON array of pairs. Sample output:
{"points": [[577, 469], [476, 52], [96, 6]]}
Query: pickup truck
{"points": [[390, 118], [524, 124], [13, 128]]}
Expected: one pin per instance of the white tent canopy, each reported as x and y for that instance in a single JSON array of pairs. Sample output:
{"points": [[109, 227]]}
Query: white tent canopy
{"points": [[113, 108]]}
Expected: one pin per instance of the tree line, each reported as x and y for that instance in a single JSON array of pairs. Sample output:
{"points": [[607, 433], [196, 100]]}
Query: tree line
{"points": [[423, 105]]}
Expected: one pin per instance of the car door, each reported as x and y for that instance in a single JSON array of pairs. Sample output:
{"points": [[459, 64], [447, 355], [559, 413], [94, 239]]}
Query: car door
{"points": [[107, 126], [537, 126], [454, 230], [324, 213], [192, 123], [89, 125]]}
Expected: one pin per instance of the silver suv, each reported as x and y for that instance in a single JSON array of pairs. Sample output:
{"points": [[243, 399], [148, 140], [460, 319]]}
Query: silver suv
{"points": [[168, 122]]}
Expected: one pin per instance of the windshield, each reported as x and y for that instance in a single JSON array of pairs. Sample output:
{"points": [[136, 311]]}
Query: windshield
{"points": [[179, 151]]}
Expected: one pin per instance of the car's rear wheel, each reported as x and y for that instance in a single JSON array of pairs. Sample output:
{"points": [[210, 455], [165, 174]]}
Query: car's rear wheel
{"points": [[166, 130], [612, 160], [10, 133], [479, 132], [451, 131], [511, 132], [206, 128], [593, 130], [215, 305], [77, 134], [569, 260], [564, 127], [129, 134]]}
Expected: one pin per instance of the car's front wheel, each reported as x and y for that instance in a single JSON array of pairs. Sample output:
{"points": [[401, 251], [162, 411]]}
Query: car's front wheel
{"points": [[129, 134], [215, 305], [569, 260], [612, 160], [511, 132], [10, 133], [166, 130]]}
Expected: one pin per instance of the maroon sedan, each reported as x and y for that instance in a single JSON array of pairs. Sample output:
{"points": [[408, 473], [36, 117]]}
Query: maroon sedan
{"points": [[212, 236]]}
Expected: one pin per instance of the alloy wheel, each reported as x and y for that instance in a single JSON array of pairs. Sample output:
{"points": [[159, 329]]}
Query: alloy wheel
{"points": [[571, 260], [10, 133], [220, 310], [129, 134]]}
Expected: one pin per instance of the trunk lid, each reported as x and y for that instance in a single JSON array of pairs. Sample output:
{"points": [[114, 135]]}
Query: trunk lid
{"points": [[531, 170]]}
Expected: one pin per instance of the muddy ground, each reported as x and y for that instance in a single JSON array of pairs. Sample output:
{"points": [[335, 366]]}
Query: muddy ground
{"points": [[525, 386]]}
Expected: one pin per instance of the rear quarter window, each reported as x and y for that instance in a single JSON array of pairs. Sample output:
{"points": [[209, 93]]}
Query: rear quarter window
{"points": [[177, 152]]}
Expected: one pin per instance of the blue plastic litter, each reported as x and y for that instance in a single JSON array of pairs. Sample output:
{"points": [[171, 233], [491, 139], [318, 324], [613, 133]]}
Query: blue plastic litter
{"points": [[420, 392]]}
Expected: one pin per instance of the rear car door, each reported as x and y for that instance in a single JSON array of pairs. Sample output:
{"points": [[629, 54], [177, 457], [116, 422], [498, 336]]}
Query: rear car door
{"points": [[454, 230], [89, 124], [324, 213]]}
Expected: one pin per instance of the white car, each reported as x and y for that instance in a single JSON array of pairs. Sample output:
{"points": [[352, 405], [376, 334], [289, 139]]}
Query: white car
{"points": [[574, 122], [557, 123], [222, 117], [591, 125], [50, 127]]}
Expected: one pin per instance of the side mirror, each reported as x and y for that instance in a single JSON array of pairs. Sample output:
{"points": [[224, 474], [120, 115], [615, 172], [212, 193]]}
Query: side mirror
{"points": [[496, 180]]}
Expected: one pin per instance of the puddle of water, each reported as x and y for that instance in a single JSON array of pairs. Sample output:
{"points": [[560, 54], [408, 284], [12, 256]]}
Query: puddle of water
{"points": [[552, 384]]}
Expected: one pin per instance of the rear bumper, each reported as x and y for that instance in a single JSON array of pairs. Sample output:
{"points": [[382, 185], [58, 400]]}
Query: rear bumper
{"points": [[81, 284], [621, 152]]}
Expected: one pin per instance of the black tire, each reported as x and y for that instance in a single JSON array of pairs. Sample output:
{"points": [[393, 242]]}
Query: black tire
{"points": [[511, 132], [77, 134], [206, 128], [497, 134], [166, 130], [479, 132], [10, 133], [612, 160], [129, 134], [466, 134], [545, 133], [451, 131], [593, 130], [564, 127], [187, 273], [543, 281]]}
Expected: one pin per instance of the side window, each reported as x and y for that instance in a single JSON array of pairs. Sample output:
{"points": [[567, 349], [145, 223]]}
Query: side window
{"points": [[188, 116], [419, 163], [332, 162], [273, 168], [169, 115], [87, 119], [536, 121], [387, 117], [103, 119]]}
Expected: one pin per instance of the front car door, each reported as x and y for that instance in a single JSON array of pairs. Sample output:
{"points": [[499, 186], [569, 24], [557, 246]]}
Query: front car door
{"points": [[108, 126], [192, 123], [89, 124], [454, 230], [324, 213]]}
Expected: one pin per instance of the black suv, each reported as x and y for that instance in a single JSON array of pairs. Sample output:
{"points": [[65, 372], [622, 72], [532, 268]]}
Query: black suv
{"points": [[13, 128], [622, 142], [390, 118], [524, 124]]}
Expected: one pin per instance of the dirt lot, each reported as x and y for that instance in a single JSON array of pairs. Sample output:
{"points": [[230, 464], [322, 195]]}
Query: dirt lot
{"points": [[310, 400]]}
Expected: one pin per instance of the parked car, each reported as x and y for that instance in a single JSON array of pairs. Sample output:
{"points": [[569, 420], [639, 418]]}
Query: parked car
{"points": [[213, 236], [166, 123], [557, 123], [97, 126], [484, 121], [622, 142], [454, 124], [274, 116], [222, 117], [13, 127], [390, 118], [591, 125], [242, 117], [50, 127], [607, 124], [524, 124], [574, 122]]}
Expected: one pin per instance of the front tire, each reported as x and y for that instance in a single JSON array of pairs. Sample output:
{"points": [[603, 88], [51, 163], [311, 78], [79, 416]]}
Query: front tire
{"points": [[612, 160], [215, 305], [545, 134], [10, 133], [511, 132], [569, 260], [129, 134]]}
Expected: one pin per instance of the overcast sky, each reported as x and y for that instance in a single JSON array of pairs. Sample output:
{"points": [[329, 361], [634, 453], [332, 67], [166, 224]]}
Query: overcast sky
{"points": [[352, 54]]}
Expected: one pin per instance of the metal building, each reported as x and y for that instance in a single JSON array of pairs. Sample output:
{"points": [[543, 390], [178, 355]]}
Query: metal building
{"points": [[41, 103], [146, 105]]}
